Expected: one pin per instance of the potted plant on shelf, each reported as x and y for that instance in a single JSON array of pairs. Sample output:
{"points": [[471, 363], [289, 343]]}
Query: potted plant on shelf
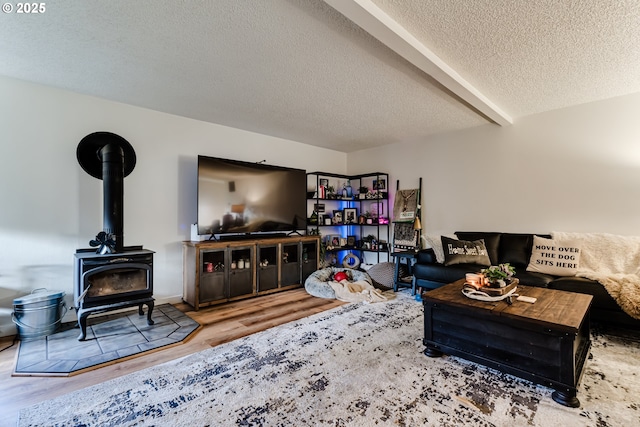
{"points": [[499, 275], [368, 219]]}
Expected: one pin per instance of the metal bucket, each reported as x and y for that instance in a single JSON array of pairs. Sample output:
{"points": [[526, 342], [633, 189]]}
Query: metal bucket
{"points": [[38, 314]]}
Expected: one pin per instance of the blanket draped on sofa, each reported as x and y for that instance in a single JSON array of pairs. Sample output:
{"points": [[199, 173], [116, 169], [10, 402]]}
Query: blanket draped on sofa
{"points": [[613, 261]]}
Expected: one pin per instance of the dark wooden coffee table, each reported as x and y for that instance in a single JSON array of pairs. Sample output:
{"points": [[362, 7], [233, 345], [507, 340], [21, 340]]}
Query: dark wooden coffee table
{"points": [[546, 342]]}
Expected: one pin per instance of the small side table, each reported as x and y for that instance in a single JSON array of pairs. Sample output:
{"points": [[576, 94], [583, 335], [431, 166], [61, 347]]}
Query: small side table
{"points": [[408, 258]]}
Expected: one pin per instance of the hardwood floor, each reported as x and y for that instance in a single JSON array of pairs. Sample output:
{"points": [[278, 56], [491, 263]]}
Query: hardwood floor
{"points": [[220, 323]]}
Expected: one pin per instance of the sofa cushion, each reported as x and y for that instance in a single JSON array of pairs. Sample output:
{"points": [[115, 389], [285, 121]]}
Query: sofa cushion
{"points": [[515, 248], [491, 241], [528, 278], [560, 258], [426, 255], [465, 252]]}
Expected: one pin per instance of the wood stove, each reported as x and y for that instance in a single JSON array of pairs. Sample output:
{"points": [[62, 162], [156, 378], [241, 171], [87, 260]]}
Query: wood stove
{"points": [[112, 276], [112, 281]]}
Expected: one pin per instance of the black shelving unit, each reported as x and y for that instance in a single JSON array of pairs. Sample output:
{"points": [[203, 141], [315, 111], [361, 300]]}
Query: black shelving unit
{"points": [[351, 213]]}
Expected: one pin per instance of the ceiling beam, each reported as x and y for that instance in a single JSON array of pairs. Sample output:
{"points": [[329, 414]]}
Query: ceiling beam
{"points": [[376, 22]]}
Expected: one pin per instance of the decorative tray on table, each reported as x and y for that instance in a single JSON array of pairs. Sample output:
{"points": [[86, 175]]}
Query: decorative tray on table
{"points": [[501, 291], [486, 293]]}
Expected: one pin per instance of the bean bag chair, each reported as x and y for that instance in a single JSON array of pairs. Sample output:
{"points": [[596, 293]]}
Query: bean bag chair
{"points": [[382, 274], [317, 284]]}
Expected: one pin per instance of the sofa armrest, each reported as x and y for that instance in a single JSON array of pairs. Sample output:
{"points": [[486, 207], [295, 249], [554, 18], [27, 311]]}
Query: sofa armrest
{"points": [[426, 256]]}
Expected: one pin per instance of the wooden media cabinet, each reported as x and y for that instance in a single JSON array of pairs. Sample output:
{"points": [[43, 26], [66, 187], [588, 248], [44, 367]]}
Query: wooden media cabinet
{"points": [[215, 272]]}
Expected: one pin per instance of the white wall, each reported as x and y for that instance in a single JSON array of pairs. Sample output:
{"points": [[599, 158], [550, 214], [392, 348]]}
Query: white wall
{"points": [[49, 206], [574, 169]]}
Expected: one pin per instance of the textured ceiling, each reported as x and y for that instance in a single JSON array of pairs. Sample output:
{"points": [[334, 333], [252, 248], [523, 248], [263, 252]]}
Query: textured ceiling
{"points": [[530, 56], [299, 69]]}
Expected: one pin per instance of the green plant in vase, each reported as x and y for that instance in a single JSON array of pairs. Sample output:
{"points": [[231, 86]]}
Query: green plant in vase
{"points": [[499, 275]]}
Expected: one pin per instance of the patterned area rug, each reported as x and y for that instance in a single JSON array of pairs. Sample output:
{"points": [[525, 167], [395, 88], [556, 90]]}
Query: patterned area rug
{"points": [[109, 338], [356, 365]]}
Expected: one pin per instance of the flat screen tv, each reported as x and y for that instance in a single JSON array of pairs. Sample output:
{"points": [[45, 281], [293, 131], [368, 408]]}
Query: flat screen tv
{"points": [[241, 198]]}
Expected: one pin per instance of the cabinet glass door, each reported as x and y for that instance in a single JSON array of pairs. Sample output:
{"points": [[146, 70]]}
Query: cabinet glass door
{"points": [[267, 267], [290, 272], [241, 271], [309, 259], [212, 275]]}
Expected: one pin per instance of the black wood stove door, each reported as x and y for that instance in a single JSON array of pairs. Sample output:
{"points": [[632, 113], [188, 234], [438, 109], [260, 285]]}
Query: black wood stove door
{"points": [[115, 282]]}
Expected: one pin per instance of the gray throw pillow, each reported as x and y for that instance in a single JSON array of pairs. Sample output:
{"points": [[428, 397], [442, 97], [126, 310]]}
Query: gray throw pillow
{"points": [[465, 252]]}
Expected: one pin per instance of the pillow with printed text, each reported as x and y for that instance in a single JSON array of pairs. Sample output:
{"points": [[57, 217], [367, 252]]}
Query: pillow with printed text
{"points": [[465, 252], [555, 257]]}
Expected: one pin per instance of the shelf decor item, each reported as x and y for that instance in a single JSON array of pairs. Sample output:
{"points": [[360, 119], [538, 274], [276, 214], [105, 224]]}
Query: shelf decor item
{"points": [[379, 184], [313, 219], [337, 217], [377, 209], [405, 205], [350, 216], [333, 241], [347, 191], [375, 195], [362, 192], [405, 236], [351, 261]]}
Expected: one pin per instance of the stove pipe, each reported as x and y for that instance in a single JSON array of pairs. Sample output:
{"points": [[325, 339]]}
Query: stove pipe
{"points": [[111, 158]]}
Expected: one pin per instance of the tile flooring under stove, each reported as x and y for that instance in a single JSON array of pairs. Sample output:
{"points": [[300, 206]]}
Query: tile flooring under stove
{"points": [[109, 338]]}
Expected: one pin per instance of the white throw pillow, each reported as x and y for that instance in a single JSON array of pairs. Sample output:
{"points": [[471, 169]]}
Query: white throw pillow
{"points": [[555, 257], [435, 242]]}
